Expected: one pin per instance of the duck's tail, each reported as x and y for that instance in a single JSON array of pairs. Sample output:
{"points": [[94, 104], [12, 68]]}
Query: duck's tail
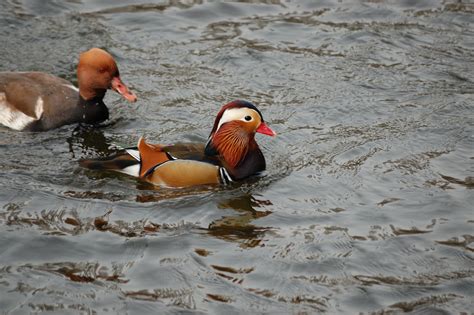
{"points": [[127, 162]]}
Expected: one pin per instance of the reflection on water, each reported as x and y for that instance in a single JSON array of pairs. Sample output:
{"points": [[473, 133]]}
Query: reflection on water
{"points": [[87, 140], [366, 205], [238, 227]]}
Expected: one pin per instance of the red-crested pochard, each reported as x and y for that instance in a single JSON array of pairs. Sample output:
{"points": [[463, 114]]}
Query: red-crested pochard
{"points": [[37, 101]]}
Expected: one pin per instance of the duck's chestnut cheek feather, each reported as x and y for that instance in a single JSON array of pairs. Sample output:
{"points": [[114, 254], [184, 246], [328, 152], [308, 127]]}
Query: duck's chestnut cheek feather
{"points": [[264, 129], [120, 87]]}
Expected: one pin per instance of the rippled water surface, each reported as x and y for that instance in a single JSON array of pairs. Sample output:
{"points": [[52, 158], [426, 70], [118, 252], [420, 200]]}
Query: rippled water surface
{"points": [[367, 203]]}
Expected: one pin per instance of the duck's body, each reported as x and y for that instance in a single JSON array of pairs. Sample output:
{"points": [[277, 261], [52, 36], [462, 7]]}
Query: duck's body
{"points": [[177, 165], [37, 101], [231, 154], [30, 101]]}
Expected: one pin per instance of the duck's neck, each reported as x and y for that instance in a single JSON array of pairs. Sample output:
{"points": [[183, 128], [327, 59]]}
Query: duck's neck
{"points": [[91, 94], [231, 143], [238, 150], [252, 163], [92, 110]]}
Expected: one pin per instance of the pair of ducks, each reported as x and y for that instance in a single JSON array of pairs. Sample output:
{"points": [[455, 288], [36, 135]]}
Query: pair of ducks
{"points": [[35, 101]]}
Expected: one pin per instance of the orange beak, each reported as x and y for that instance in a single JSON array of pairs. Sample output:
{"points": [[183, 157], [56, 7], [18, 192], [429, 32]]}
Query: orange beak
{"points": [[263, 128], [120, 87]]}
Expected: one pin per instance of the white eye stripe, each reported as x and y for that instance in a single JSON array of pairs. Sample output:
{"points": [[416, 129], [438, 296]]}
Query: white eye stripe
{"points": [[235, 114]]}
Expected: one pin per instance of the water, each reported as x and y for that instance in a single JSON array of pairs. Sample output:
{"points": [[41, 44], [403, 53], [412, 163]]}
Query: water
{"points": [[366, 206]]}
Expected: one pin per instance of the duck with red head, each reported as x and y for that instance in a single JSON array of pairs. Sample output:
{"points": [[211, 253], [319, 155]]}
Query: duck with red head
{"points": [[230, 154], [37, 101]]}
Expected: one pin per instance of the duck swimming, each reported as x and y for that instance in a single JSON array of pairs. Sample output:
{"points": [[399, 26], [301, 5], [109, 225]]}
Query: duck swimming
{"points": [[230, 153], [38, 101]]}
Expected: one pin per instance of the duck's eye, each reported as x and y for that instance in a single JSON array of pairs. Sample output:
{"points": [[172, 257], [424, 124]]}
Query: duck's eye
{"points": [[248, 118]]}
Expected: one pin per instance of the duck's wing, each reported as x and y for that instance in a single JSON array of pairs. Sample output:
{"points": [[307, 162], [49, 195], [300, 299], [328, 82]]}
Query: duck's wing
{"points": [[179, 165], [192, 151], [150, 155], [154, 154]]}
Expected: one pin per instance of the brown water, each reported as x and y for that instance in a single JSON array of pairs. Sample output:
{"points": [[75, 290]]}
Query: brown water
{"points": [[367, 204]]}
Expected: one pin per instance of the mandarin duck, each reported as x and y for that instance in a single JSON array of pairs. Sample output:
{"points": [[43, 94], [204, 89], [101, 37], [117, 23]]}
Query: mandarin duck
{"points": [[37, 101], [230, 153]]}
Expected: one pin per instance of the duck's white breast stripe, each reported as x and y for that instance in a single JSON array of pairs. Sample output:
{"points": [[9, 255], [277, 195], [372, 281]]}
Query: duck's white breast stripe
{"points": [[225, 177]]}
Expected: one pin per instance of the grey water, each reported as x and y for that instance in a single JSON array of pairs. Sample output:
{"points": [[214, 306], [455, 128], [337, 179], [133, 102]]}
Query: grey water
{"points": [[367, 202]]}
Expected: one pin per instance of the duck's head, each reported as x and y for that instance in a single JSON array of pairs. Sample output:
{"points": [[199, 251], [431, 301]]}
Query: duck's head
{"points": [[233, 133], [97, 71]]}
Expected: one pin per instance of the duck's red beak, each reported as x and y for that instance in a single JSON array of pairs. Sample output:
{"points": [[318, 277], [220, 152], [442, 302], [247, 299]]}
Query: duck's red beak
{"points": [[263, 128], [120, 87]]}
